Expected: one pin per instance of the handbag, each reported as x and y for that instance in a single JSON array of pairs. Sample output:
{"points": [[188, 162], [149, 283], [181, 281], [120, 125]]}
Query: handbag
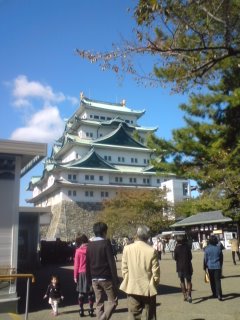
{"points": [[206, 277]]}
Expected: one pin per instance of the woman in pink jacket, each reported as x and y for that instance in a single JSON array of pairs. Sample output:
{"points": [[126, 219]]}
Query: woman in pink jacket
{"points": [[83, 287]]}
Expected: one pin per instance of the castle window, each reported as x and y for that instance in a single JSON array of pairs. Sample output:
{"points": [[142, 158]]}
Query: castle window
{"points": [[104, 194], [69, 177], [100, 178], [158, 181], [86, 177], [96, 117], [74, 193], [69, 193], [89, 134], [88, 193], [91, 116], [102, 118], [92, 177], [74, 177], [107, 158], [132, 180]]}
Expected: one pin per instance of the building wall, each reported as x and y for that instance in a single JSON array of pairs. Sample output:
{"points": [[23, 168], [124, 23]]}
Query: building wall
{"points": [[9, 199]]}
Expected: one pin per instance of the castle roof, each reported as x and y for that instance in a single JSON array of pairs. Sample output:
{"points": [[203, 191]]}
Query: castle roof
{"points": [[121, 138], [91, 160], [119, 107]]}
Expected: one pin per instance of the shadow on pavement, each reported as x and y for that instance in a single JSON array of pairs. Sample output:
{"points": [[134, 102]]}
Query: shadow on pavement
{"points": [[38, 289], [164, 289], [42, 279]]}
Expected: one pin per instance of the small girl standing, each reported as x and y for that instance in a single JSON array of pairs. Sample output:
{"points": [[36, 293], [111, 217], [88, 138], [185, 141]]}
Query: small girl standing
{"points": [[54, 294], [80, 278]]}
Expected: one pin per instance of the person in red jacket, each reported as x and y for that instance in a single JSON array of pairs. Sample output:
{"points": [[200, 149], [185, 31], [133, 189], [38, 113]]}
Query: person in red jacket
{"points": [[84, 288]]}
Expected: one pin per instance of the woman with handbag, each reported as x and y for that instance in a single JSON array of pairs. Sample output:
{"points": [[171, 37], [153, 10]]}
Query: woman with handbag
{"points": [[213, 260]]}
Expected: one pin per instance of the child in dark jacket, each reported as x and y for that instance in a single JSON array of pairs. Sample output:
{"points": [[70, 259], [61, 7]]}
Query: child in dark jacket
{"points": [[54, 294]]}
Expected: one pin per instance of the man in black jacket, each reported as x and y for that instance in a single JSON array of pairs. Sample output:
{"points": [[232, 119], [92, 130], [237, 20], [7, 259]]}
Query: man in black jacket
{"points": [[102, 271]]}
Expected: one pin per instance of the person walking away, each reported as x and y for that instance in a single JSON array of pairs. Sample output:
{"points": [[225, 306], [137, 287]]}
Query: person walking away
{"points": [[84, 288], [158, 246], [141, 276], [213, 259], [102, 271], [183, 258], [172, 245], [222, 248], [235, 248], [54, 294], [114, 248]]}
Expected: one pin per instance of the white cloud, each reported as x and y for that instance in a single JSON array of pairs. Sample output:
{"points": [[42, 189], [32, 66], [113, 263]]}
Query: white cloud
{"points": [[19, 103], [45, 125], [24, 91], [42, 120]]}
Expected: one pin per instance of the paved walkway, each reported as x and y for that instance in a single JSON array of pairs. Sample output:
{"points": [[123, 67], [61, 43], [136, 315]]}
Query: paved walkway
{"points": [[170, 302]]}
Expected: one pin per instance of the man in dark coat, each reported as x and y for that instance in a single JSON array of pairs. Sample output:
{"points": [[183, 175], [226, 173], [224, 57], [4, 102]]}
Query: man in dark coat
{"points": [[183, 257], [102, 271]]}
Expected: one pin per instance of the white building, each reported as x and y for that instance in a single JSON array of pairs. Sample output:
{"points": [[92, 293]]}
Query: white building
{"points": [[103, 149]]}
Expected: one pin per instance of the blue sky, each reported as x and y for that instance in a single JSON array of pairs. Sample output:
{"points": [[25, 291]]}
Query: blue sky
{"points": [[41, 76]]}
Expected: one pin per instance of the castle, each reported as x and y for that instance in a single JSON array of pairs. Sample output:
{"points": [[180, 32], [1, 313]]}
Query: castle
{"points": [[102, 150]]}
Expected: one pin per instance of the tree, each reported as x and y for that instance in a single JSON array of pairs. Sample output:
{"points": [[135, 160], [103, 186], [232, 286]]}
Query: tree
{"points": [[192, 43], [210, 201], [189, 41], [207, 149], [131, 208]]}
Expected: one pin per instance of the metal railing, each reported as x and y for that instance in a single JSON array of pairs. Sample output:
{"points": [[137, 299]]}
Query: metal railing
{"points": [[15, 276]]}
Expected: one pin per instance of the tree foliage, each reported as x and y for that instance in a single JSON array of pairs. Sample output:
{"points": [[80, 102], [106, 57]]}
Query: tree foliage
{"points": [[209, 201], [189, 41], [207, 148], [131, 208], [192, 43]]}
